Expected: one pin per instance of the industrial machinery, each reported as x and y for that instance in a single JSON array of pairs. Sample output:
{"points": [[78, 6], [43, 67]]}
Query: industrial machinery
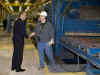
{"points": [[77, 25]]}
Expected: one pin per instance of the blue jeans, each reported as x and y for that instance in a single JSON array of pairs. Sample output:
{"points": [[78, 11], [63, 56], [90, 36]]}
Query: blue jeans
{"points": [[45, 47]]}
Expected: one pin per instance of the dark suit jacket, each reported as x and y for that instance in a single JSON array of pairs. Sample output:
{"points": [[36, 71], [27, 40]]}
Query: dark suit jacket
{"points": [[19, 29]]}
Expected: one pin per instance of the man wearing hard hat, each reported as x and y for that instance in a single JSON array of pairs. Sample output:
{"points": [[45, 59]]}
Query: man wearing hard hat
{"points": [[44, 33]]}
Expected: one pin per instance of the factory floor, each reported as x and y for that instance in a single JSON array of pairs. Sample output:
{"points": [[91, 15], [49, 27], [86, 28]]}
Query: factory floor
{"points": [[30, 53]]}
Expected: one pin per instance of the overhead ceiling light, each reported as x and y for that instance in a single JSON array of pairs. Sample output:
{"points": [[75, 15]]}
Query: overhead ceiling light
{"points": [[7, 2], [11, 8], [17, 3], [27, 3], [20, 9]]}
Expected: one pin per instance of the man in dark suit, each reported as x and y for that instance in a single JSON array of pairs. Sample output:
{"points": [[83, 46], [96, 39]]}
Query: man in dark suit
{"points": [[18, 41]]}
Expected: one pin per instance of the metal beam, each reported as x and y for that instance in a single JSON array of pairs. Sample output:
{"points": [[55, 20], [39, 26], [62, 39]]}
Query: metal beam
{"points": [[81, 34], [67, 7], [33, 6], [58, 21], [6, 8], [53, 12], [95, 61], [19, 4], [37, 4]]}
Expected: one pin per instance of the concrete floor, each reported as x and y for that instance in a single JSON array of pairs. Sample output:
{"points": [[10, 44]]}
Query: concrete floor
{"points": [[28, 64], [6, 51]]}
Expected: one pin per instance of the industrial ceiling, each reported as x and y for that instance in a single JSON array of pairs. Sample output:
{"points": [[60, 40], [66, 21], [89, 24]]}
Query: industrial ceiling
{"points": [[16, 6]]}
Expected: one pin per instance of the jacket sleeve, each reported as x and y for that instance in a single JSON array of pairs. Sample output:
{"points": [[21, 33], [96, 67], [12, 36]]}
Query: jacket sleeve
{"points": [[19, 29]]}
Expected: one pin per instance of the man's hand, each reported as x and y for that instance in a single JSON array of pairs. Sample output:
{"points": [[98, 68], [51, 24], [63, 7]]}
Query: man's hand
{"points": [[51, 42], [33, 34]]}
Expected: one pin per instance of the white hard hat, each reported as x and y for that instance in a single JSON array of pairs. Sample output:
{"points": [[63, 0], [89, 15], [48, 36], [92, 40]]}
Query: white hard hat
{"points": [[43, 13]]}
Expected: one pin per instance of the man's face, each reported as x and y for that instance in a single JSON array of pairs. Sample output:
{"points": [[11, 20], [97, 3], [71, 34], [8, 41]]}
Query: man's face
{"points": [[23, 16], [42, 18]]}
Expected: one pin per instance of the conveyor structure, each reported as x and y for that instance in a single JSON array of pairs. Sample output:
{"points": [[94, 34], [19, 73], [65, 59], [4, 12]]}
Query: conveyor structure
{"points": [[77, 25]]}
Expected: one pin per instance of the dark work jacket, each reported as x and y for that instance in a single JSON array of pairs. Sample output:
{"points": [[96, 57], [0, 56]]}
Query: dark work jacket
{"points": [[19, 29], [44, 32]]}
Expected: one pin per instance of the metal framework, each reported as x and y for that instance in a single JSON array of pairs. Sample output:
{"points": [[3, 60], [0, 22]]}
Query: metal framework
{"points": [[29, 6], [74, 26]]}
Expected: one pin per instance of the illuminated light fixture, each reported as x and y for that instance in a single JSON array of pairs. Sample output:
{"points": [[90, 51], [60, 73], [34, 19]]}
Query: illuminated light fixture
{"points": [[11, 8], [27, 3], [20, 9], [17, 3], [7, 2]]}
